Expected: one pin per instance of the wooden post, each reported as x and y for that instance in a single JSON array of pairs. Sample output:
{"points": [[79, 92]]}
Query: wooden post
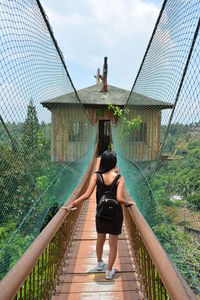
{"points": [[105, 72]]}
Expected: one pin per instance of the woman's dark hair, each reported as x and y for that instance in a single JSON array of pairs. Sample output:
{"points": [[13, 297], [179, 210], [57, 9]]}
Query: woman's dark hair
{"points": [[108, 161]]}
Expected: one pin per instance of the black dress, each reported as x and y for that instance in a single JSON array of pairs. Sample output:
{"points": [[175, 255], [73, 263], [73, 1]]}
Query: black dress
{"points": [[103, 226]]}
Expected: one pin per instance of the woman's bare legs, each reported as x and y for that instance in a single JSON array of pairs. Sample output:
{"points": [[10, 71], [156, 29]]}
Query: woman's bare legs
{"points": [[113, 239], [101, 237]]}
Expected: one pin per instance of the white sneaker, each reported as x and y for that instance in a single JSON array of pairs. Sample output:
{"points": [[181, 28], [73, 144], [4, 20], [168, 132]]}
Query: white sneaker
{"points": [[99, 266], [109, 274]]}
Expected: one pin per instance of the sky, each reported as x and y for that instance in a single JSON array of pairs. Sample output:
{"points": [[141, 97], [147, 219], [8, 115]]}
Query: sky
{"points": [[89, 30]]}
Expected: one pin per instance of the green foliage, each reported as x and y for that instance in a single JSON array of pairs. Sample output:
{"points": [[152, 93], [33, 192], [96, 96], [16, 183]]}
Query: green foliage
{"points": [[162, 198], [42, 182], [127, 126], [51, 213], [15, 249], [10, 180], [182, 177], [100, 113], [178, 137], [30, 130], [188, 245], [116, 110], [26, 173], [16, 130], [194, 199]]}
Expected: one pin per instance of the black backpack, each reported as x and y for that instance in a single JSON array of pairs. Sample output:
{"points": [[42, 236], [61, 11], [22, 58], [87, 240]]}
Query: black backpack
{"points": [[108, 207]]}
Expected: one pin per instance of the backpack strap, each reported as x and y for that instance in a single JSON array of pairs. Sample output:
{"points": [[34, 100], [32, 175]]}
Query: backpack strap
{"points": [[102, 178], [114, 182]]}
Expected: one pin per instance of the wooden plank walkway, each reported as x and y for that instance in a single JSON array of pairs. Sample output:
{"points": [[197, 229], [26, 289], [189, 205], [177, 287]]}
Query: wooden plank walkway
{"points": [[80, 280]]}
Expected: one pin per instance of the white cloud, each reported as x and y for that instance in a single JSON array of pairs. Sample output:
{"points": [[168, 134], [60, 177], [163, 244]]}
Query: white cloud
{"points": [[89, 30]]}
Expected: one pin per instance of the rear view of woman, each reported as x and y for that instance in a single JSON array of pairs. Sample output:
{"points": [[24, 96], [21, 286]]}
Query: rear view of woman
{"points": [[106, 179]]}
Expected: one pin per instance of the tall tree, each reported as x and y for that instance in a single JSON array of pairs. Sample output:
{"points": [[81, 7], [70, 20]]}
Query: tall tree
{"points": [[30, 130]]}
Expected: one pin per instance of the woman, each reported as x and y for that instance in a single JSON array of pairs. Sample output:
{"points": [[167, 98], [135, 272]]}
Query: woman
{"points": [[105, 178]]}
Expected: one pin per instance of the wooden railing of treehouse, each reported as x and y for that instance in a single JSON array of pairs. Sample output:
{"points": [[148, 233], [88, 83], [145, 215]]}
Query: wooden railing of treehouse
{"points": [[36, 273]]}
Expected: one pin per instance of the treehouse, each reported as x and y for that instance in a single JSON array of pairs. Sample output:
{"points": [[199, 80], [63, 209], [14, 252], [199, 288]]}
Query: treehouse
{"points": [[69, 125]]}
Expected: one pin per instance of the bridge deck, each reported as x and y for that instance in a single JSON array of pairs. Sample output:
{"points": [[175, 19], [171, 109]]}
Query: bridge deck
{"points": [[80, 280]]}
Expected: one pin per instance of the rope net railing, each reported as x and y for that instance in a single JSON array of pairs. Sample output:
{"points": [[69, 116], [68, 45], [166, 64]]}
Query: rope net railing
{"points": [[157, 137], [34, 129]]}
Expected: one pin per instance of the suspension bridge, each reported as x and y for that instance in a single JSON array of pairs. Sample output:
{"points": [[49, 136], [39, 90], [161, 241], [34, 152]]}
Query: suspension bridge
{"points": [[51, 139]]}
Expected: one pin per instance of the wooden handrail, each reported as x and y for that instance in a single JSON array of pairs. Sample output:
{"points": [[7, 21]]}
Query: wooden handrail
{"points": [[176, 286], [14, 279]]}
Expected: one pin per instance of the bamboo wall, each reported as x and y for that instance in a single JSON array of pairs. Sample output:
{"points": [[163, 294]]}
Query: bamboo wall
{"points": [[149, 150], [145, 149], [63, 149]]}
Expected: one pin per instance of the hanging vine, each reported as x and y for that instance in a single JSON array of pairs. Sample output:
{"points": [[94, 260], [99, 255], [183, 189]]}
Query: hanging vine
{"points": [[127, 126]]}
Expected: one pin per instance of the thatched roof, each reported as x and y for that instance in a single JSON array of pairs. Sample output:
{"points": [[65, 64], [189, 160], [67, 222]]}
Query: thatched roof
{"points": [[94, 96]]}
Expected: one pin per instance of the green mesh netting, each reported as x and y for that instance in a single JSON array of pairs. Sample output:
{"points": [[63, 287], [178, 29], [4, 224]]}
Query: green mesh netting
{"points": [[157, 137], [33, 135]]}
